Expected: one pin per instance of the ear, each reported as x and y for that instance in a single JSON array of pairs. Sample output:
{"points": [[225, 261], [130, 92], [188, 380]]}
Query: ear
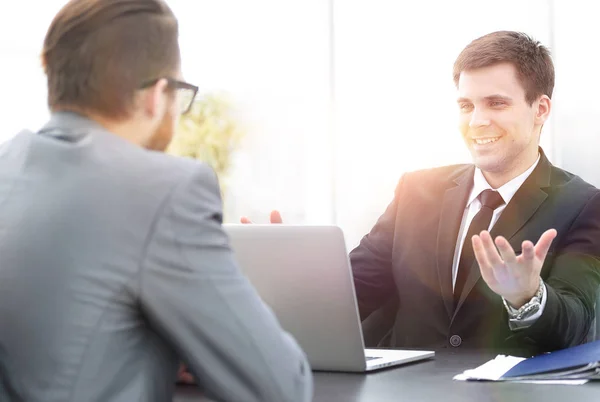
{"points": [[155, 99], [544, 105], [44, 64]]}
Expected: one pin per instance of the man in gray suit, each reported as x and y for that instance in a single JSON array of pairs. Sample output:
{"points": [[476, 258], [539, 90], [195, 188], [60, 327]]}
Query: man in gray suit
{"points": [[113, 263]]}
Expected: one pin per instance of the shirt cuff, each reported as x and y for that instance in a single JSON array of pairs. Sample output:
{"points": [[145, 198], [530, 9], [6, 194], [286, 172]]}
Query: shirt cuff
{"points": [[515, 325]]}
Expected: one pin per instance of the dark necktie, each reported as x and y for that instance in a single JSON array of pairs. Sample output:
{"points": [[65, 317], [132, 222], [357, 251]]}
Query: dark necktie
{"points": [[490, 200]]}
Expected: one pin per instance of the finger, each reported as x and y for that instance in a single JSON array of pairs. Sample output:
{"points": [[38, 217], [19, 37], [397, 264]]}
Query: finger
{"points": [[527, 250], [506, 251], [543, 244], [490, 249], [487, 272], [245, 219], [275, 217], [185, 378]]}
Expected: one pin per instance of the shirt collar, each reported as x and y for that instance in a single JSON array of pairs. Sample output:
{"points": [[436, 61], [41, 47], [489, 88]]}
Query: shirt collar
{"points": [[507, 191]]}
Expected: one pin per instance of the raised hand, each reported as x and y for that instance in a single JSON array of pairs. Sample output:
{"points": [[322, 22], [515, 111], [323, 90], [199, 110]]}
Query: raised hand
{"points": [[516, 278]]}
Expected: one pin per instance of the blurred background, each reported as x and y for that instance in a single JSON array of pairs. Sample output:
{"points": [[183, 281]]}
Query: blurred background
{"points": [[336, 99]]}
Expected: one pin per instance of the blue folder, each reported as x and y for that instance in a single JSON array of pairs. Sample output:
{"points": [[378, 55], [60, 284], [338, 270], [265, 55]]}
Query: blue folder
{"points": [[561, 360]]}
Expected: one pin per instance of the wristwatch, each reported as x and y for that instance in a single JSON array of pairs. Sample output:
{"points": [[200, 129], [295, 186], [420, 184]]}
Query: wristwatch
{"points": [[529, 308]]}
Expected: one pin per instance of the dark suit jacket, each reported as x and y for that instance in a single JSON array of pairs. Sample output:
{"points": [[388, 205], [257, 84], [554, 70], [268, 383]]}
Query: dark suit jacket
{"points": [[405, 262]]}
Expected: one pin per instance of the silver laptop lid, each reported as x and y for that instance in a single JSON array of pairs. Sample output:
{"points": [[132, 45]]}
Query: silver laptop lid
{"points": [[303, 274]]}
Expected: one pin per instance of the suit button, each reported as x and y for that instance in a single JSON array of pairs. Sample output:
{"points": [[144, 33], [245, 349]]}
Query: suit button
{"points": [[455, 341]]}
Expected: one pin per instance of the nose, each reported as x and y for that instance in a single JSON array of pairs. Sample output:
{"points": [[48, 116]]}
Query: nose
{"points": [[478, 119]]}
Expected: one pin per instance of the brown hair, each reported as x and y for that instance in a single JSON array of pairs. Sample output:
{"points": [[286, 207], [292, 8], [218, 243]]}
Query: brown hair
{"points": [[97, 53], [532, 60]]}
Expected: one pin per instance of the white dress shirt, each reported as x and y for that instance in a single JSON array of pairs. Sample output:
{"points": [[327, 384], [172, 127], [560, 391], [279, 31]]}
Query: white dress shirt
{"points": [[507, 191]]}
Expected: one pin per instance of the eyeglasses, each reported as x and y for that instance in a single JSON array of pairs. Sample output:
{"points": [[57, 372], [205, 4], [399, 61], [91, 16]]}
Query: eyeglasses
{"points": [[186, 93]]}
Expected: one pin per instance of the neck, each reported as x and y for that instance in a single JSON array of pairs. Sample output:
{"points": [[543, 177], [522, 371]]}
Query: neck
{"points": [[498, 179]]}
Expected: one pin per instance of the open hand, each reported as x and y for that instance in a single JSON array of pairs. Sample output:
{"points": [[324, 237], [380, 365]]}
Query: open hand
{"points": [[516, 278]]}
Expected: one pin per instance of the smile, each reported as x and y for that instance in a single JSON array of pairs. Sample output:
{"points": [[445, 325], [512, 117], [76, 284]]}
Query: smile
{"points": [[484, 141]]}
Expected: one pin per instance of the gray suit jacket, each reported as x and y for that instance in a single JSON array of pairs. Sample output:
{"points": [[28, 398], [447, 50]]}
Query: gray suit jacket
{"points": [[114, 267]]}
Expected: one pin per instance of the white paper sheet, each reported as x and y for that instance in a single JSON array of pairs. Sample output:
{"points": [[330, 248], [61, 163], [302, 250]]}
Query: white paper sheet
{"points": [[492, 370], [496, 368]]}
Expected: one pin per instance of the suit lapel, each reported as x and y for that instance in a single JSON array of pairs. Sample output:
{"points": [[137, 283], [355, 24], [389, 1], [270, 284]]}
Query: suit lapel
{"points": [[453, 205], [517, 213]]}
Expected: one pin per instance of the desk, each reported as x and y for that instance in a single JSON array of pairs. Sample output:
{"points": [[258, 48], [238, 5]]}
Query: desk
{"points": [[430, 381]]}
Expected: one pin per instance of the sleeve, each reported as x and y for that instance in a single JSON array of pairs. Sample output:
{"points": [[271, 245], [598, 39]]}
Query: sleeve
{"points": [[193, 293], [571, 285], [371, 261]]}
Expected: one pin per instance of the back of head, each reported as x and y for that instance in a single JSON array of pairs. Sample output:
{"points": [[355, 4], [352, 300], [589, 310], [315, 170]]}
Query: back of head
{"points": [[531, 59], [97, 53]]}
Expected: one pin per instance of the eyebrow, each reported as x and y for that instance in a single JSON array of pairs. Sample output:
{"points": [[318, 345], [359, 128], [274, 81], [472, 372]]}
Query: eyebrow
{"points": [[487, 98]]}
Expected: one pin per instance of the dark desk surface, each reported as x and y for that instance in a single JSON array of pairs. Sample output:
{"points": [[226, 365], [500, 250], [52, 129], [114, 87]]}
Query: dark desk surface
{"points": [[430, 381]]}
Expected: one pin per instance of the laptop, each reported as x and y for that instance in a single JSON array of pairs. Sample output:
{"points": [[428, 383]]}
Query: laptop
{"points": [[303, 274]]}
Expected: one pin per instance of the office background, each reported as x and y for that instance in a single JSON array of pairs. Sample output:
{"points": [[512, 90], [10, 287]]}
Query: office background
{"points": [[340, 97]]}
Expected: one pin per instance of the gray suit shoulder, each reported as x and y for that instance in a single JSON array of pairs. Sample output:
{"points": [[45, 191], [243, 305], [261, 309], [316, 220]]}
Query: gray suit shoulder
{"points": [[179, 168], [160, 173]]}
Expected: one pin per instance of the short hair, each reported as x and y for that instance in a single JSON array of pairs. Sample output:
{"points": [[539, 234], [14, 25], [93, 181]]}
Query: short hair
{"points": [[532, 60], [97, 53]]}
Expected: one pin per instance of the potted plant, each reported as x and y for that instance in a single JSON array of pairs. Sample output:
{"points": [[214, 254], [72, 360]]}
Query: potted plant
{"points": [[209, 132]]}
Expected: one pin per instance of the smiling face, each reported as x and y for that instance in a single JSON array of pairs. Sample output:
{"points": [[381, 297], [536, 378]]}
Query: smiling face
{"points": [[501, 129]]}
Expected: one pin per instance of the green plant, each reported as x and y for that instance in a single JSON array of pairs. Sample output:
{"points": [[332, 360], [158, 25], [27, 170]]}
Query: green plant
{"points": [[209, 132]]}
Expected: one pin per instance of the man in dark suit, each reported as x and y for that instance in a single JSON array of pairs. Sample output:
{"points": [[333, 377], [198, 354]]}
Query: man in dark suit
{"points": [[452, 257], [114, 266], [451, 262]]}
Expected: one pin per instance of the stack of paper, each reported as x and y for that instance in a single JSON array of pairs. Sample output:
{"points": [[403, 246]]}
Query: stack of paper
{"points": [[575, 365]]}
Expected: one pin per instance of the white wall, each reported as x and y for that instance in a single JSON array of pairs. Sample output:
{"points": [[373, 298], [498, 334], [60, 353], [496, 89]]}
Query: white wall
{"points": [[23, 102], [272, 57], [576, 100]]}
